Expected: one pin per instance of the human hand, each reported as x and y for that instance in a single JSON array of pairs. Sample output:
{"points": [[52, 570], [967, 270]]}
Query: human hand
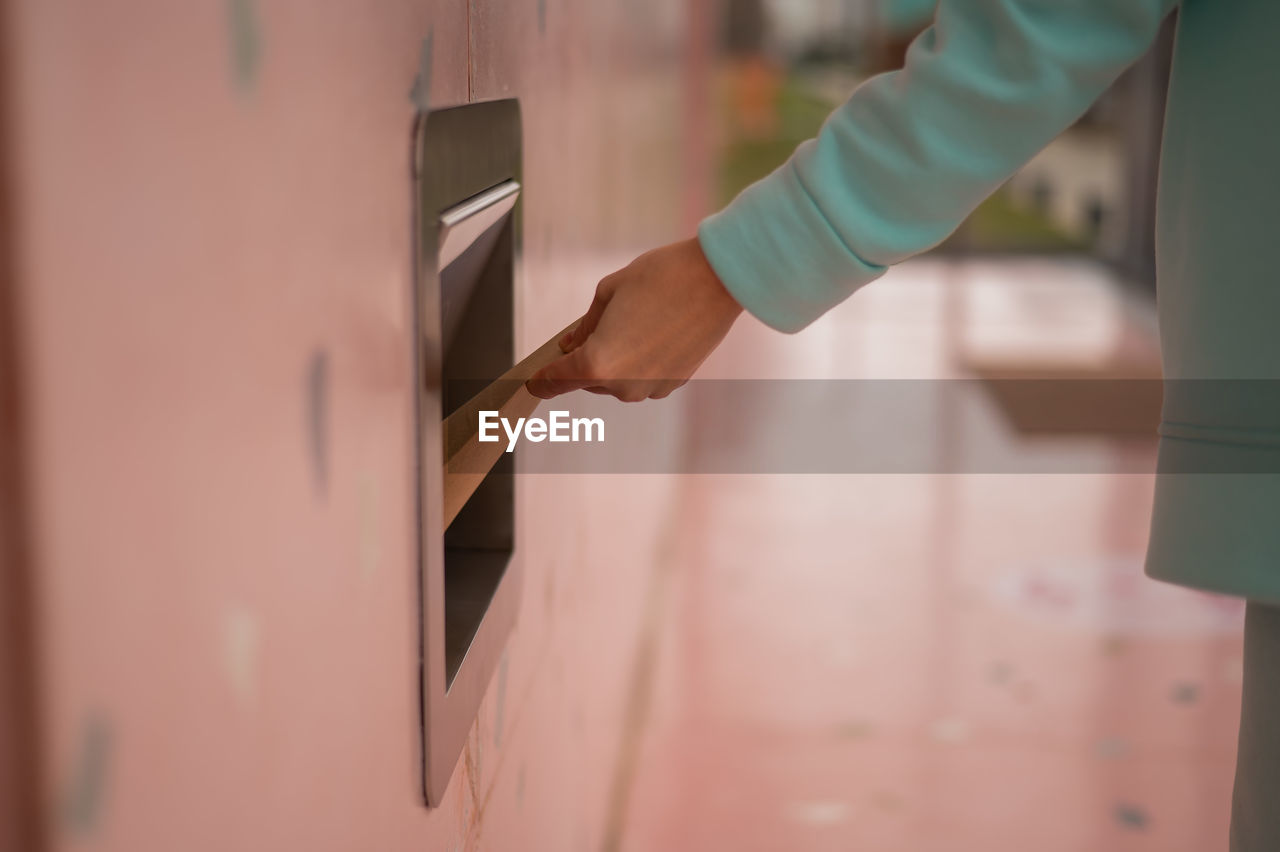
{"points": [[648, 329]]}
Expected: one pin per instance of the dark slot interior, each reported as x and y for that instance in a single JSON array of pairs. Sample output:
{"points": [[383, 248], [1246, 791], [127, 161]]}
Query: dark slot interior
{"points": [[476, 318]]}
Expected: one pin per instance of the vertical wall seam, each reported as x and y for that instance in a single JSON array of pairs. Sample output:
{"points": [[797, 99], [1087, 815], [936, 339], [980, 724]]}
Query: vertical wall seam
{"points": [[641, 684], [22, 788], [470, 51]]}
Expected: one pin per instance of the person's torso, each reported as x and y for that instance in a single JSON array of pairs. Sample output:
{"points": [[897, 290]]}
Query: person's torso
{"points": [[1217, 231]]}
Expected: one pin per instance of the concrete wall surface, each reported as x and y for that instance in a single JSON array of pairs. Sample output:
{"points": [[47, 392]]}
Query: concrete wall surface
{"points": [[212, 269]]}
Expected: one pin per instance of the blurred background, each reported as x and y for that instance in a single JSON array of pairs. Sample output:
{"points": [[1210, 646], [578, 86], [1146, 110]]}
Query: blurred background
{"points": [[209, 625]]}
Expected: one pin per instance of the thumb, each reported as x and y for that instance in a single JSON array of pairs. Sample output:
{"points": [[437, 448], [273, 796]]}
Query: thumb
{"points": [[567, 373], [589, 321]]}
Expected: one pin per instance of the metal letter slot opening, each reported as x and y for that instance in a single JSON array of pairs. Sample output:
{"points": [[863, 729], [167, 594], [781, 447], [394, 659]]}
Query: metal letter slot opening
{"points": [[467, 163]]}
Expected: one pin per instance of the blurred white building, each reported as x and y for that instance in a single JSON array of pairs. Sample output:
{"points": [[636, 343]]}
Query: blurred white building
{"points": [[798, 25]]}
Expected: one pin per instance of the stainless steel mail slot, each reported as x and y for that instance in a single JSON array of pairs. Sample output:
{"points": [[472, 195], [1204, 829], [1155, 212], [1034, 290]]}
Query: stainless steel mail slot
{"points": [[467, 164]]}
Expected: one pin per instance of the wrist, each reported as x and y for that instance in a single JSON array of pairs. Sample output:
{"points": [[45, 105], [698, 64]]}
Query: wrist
{"points": [[721, 296]]}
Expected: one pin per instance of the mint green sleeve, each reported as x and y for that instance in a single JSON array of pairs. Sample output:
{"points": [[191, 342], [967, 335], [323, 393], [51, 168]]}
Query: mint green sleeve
{"points": [[912, 152]]}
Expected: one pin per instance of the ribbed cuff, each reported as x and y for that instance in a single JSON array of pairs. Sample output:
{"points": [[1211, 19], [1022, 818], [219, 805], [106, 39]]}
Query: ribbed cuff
{"points": [[779, 256]]}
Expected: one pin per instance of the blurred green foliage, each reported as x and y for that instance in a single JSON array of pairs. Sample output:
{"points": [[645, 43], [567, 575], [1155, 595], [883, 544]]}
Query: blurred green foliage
{"points": [[745, 160]]}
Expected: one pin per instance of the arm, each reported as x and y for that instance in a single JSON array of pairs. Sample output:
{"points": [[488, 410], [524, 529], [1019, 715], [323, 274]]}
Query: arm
{"points": [[899, 166], [892, 173]]}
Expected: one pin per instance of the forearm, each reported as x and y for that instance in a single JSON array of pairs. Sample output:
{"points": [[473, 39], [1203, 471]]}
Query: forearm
{"points": [[912, 152]]}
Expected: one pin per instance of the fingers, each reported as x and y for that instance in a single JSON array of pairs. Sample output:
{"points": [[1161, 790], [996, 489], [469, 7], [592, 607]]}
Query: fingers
{"points": [[665, 388], [575, 371], [567, 373]]}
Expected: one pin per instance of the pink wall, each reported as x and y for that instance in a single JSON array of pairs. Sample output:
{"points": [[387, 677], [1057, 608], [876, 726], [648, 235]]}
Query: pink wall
{"points": [[214, 266]]}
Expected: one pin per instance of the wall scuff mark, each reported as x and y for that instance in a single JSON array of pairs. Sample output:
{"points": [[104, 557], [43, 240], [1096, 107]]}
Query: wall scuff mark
{"points": [[86, 789], [318, 418], [246, 44], [420, 93]]}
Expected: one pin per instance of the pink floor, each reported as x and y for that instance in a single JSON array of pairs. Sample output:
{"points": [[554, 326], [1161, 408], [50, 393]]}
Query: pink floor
{"points": [[930, 662]]}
